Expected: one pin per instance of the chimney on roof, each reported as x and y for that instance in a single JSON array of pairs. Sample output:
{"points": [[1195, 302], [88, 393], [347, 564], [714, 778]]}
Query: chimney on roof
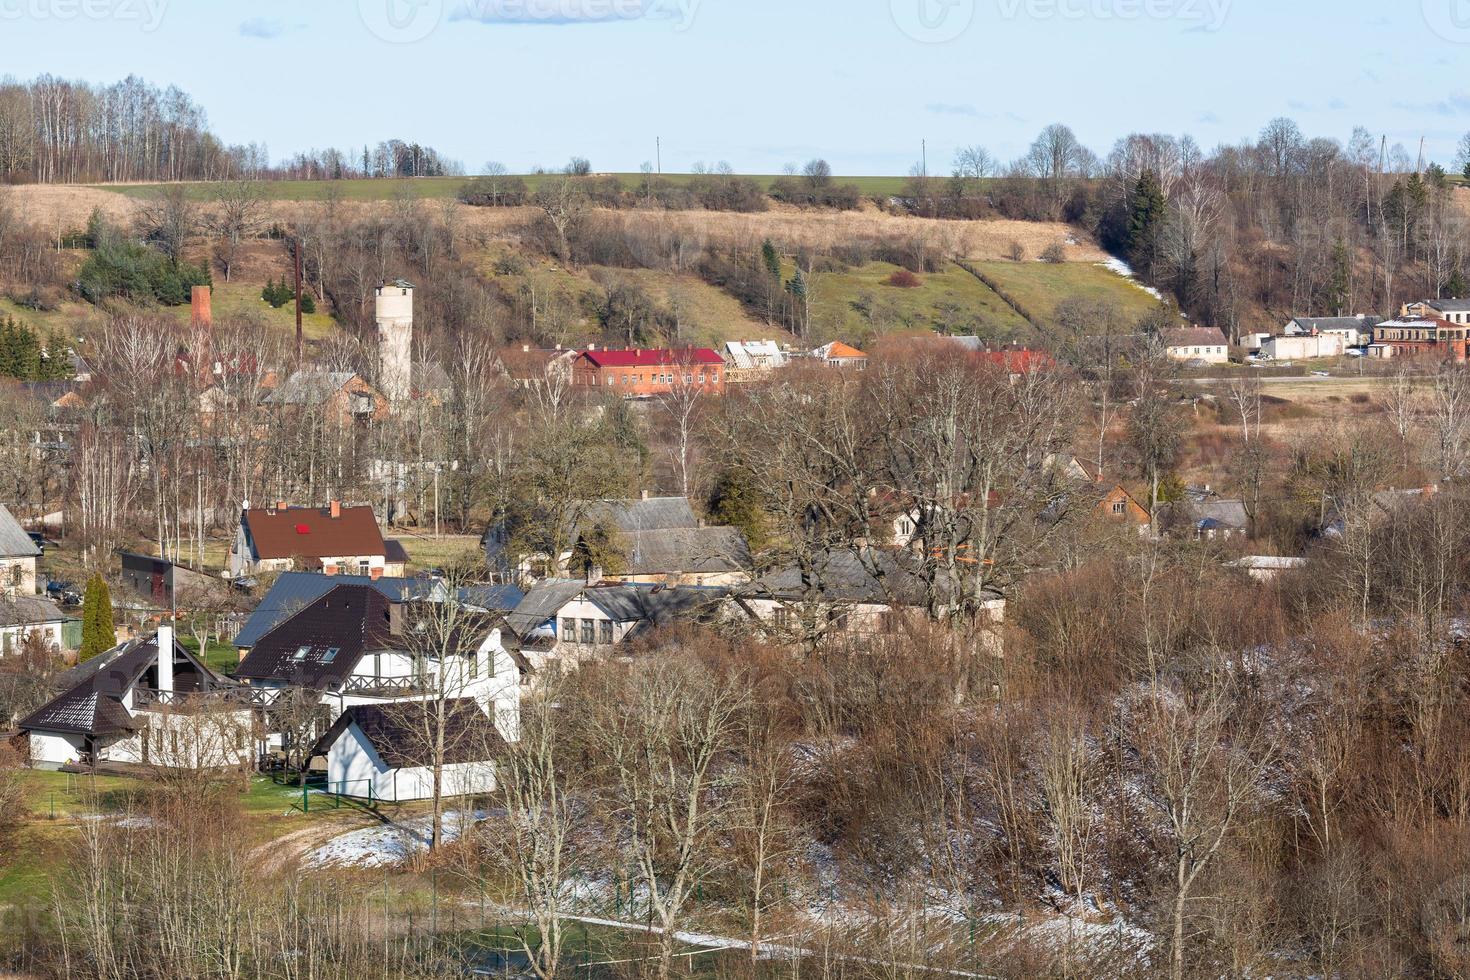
{"points": [[165, 641], [594, 574], [643, 494], [281, 505], [336, 509], [525, 348], [201, 314]]}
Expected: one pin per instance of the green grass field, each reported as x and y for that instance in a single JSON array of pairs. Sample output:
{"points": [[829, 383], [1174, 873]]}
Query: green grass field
{"points": [[860, 305], [1040, 286], [386, 189]]}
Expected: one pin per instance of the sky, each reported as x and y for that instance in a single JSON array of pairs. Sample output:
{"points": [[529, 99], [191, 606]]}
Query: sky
{"points": [[764, 83]]}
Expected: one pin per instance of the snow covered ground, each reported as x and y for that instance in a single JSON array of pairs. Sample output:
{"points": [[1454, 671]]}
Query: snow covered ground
{"points": [[1115, 264], [388, 845]]}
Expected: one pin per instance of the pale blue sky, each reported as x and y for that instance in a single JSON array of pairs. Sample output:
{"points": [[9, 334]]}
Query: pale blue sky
{"points": [[764, 82]]}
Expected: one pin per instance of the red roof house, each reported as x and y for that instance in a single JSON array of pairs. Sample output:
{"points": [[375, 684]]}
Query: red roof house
{"points": [[641, 373]]}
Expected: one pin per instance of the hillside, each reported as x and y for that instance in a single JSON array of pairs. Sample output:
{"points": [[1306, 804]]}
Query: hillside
{"points": [[533, 297]]}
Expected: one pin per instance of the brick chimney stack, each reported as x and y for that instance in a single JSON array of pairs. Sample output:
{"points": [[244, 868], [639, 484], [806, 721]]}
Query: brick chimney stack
{"points": [[336, 509], [203, 313]]}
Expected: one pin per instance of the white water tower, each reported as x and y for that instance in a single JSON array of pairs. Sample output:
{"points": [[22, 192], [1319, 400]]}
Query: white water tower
{"points": [[395, 339]]}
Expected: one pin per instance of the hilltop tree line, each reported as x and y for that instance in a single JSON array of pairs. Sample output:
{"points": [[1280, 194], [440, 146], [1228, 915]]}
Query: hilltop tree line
{"points": [[60, 131]]}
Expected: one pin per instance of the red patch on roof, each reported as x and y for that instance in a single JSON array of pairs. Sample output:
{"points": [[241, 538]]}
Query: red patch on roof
{"points": [[278, 533]]}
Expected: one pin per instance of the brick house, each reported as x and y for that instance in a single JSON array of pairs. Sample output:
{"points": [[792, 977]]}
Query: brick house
{"points": [[345, 397], [648, 373], [1416, 337]]}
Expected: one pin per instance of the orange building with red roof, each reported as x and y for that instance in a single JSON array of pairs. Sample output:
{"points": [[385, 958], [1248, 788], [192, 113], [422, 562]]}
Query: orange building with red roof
{"points": [[642, 373]]}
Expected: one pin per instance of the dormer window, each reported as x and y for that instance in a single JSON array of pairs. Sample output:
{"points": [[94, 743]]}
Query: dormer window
{"points": [[331, 654], [301, 654]]}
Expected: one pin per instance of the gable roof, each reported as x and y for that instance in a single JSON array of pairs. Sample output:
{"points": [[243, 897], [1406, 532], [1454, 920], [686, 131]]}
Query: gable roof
{"points": [[92, 692], [350, 619], [14, 541], [396, 732], [687, 550], [28, 610], [837, 350], [844, 578], [1322, 323], [309, 387], [312, 532], [640, 514], [294, 591], [1192, 337], [1450, 305], [751, 354], [650, 605], [657, 357]]}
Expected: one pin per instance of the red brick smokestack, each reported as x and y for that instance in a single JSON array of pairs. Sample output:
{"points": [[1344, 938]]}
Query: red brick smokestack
{"points": [[203, 315]]}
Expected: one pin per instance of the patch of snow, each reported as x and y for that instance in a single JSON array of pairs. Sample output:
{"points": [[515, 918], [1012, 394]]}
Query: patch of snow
{"points": [[390, 844], [1117, 265]]}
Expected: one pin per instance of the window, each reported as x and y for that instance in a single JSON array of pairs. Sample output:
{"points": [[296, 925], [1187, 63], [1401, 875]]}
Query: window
{"points": [[301, 654], [474, 660], [782, 618], [610, 380], [363, 568], [689, 379], [589, 632], [569, 630], [1120, 507], [605, 632], [331, 654]]}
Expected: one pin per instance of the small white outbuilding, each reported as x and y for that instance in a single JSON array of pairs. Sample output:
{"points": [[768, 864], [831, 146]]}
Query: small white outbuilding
{"points": [[385, 751]]}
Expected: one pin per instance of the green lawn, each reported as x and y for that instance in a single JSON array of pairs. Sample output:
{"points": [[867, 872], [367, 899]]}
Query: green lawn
{"points": [[386, 189], [1040, 286], [858, 305], [241, 298]]}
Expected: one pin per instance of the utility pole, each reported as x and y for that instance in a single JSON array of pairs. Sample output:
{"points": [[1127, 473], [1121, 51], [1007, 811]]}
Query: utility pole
{"points": [[658, 153], [924, 157], [298, 302]]}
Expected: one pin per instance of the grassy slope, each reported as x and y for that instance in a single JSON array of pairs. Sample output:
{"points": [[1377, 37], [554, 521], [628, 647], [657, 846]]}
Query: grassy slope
{"points": [[1040, 286], [952, 300], [442, 187]]}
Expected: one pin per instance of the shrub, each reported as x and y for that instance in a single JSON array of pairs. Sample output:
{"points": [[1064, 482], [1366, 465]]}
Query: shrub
{"points": [[1056, 253], [136, 272], [1017, 252], [904, 279]]}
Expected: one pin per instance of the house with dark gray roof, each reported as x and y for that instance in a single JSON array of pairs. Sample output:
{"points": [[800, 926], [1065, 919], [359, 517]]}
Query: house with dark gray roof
{"points": [[576, 620], [512, 553], [841, 594], [18, 554], [357, 644], [383, 751], [145, 703], [1355, 331], [683, 556]]}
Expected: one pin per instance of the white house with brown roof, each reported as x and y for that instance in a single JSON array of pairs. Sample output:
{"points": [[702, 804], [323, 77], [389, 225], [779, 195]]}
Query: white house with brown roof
{"points": [[1196, 344], [334, 539]]}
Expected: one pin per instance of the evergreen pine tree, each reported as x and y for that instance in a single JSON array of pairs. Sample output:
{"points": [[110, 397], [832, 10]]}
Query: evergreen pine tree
{"points": [[308, 305], [1340, 280], [1455, 287], [98, 633], [771, 259], [9, 343], [1145, 223]]}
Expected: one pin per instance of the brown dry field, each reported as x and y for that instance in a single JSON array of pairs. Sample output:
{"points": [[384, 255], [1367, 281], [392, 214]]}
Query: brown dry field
{"points": [[69, 207]]}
